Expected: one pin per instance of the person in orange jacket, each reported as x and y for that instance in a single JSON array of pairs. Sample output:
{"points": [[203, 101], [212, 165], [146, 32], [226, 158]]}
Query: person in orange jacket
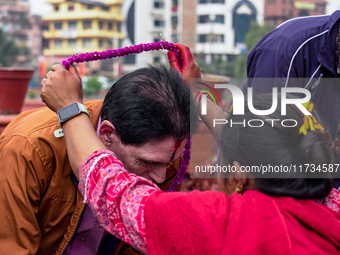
{"points": [[42, 210]]}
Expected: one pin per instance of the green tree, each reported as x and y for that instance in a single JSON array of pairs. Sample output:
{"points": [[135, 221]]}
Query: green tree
{"points": [[254, 35], [93, 85], [8, 50]]}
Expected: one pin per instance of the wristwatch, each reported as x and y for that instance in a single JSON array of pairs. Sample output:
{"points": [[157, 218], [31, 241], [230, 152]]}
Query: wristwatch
{"points": [[71, 111]]}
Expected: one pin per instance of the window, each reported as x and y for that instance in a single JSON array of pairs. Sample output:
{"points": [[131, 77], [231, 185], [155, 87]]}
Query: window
{"points": [[71, 7], [90, 6], [283, 12], [220, 19], [218, 38], [56, 7], [58, 25], [203, 19], [202, 38], [110, 45], [100, 43], [45, 44], [45, 27], [119, 26], [212, 38], [87, 42], [203, 1], [105, 8], [109, 26], [100, 25], [87, 24], [130, 59], [174, 38], [274, 22], [72, 25], [57, 43], [290, 14], [158, 23], [174, 22], [72, 43], [158, 4], [156, 60]]}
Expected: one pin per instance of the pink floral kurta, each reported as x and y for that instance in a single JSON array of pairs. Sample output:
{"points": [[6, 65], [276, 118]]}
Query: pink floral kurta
{"points": [[116, 197]]}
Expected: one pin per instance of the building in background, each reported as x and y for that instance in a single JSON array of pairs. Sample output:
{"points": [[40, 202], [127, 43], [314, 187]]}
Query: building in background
{"points": [[145, 21], [77, 26], [24, 29], [183, 22], [211, 28], [278, 11], [215, 28]]}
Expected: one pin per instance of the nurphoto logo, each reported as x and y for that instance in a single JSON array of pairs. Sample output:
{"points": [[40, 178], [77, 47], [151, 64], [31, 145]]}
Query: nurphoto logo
{"points": [[239, 101]]}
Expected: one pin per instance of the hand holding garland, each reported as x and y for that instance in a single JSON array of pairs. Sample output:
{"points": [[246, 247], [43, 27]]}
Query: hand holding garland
{"points": [[59, 89], [188, 68], [191, 74]]}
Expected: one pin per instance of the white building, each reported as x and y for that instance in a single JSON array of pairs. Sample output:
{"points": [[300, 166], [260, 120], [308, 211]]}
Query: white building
{"points": [[208, 27], [144, 21], [222, 25]]}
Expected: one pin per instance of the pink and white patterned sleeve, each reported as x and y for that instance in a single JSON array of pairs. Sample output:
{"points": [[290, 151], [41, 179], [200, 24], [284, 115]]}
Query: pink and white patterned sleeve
{"points": [[116, 197], [332, 201]]}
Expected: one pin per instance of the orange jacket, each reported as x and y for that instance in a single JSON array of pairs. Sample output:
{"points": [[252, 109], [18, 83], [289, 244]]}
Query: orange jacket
{"points": [[41, 206]]}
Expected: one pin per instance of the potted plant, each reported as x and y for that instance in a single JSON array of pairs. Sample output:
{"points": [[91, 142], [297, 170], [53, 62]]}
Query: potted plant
{"points": [[14, 84]]}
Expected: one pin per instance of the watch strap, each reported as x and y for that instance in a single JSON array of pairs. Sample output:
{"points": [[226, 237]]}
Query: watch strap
{"points": [[82, 108]]}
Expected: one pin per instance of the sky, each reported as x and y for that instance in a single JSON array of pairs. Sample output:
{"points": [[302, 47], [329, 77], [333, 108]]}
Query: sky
{"points": [[332, 6], [40, 7]]}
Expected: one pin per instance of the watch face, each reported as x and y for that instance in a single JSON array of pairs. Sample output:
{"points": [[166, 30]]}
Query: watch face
{"points": [[68, 111]]}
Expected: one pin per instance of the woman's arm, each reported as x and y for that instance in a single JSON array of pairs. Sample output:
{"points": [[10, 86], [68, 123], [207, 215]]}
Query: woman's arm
{"points": [[191, 74], [116, 197], [61, 88]]}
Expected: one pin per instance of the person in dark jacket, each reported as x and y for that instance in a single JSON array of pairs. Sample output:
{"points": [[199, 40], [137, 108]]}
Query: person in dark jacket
{"points": [[301, 52]]}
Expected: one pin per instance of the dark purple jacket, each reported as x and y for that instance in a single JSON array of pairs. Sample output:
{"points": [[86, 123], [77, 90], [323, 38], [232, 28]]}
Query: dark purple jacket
{"points": [[301, 48]]}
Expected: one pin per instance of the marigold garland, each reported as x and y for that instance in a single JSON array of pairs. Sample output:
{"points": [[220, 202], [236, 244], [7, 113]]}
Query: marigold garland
{"points": [[113, 53]]}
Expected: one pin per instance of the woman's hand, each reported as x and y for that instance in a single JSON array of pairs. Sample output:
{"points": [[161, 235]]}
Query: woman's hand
{"points": [[190, 68], [61, 87]]}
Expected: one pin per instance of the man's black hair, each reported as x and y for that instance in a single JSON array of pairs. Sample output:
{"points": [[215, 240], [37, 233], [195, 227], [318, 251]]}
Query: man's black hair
{"points": [[150, 103]]}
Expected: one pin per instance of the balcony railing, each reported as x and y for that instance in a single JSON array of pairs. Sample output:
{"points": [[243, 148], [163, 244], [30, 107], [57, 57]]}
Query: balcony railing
{"points": [[85, 14]]}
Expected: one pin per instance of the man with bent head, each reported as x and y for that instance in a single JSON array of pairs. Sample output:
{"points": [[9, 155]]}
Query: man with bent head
{"points": [[141, 116]]}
